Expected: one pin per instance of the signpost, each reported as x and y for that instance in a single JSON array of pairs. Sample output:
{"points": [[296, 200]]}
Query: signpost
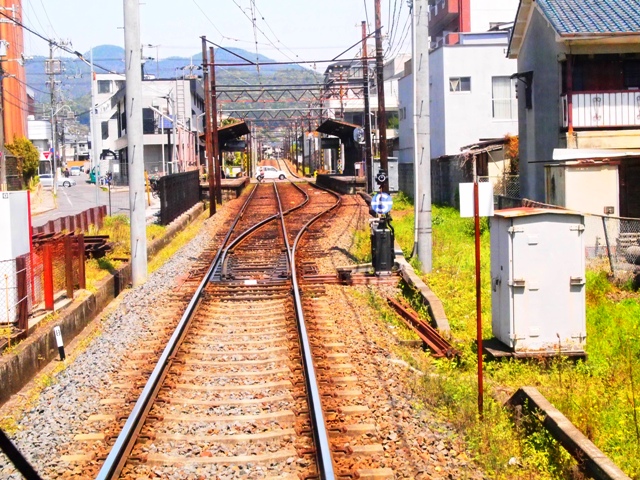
{"points": [[476, 200], [381, 203]]}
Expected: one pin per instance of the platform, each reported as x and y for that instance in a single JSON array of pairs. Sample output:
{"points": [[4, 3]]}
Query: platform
{"points": [[348, 185], [231, 188]]}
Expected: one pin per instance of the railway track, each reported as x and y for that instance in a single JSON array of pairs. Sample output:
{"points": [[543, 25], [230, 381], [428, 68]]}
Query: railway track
{"points": [[234, 392]]}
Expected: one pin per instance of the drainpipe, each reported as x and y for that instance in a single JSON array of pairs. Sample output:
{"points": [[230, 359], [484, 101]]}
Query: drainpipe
{"points": [[570, 100]]}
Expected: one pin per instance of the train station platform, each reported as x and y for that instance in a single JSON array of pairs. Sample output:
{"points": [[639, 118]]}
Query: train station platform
{"points": [[348, 185]]}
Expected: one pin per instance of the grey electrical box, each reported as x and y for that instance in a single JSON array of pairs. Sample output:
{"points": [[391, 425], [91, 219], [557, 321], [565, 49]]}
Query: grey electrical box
{"points": [[392, 173], [538, 280]]}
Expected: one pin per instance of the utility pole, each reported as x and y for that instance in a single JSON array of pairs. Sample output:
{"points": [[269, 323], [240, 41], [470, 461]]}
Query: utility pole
{"points": [[214, 125], [368, 161], [382, 114], [135, 147], [54, 128], [206, 66], [421, 134], [3, 151], [95, 162]]}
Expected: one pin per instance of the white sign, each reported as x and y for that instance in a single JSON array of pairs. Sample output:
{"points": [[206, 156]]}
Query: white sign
{"points": [[58, 333], [115, 168], [485, 199], [381, 203]]}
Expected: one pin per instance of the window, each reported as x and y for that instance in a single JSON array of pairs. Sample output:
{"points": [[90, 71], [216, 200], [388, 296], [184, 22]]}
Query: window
{"points": [[503, 98], [459, 84], [104, 86], [105, 130], [631, 72]]}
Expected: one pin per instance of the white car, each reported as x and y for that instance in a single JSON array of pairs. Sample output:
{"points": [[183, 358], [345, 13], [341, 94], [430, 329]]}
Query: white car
{"points": [[271, 172], [75, 171], [46, 179]]}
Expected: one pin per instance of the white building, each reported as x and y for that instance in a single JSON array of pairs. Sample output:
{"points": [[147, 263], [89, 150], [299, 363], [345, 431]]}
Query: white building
{"points": [[472, 94], [168, 148]]}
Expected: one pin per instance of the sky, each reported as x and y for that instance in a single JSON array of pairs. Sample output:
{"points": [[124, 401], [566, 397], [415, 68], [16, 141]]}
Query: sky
{"points": [[285, 30]]}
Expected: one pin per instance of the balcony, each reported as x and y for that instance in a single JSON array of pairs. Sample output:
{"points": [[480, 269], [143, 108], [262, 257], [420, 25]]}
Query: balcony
{"points": [[441, 14], [603, 109]]}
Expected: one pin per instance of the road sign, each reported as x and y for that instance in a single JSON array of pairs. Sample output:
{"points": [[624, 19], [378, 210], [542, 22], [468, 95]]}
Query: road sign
{"points": [[381, 203], [46, 155]]}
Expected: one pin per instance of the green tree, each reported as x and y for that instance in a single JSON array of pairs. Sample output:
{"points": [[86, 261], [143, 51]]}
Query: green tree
{"points": [[28, 157]]}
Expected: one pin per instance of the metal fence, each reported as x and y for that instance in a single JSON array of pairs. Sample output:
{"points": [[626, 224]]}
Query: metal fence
{"points": [[32, 282], [74, 223], [609, 242], [178, 193], [504, 185]]}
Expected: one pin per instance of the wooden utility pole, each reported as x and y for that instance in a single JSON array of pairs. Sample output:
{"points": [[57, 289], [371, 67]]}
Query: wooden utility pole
{"points": [[382, 114], [207, 126], [367, 111]]}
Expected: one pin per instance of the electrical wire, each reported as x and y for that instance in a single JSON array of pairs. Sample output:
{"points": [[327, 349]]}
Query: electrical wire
{"points": [[405, 33], [56, 44], [47, 15], [255, 37]]}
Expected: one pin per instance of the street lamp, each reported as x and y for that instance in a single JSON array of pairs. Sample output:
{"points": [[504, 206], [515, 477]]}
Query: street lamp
{"points": [[148, 45]]}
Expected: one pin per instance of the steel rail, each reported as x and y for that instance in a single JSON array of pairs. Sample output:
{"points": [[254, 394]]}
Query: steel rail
{"points": [[117, 457], [258, 225], [323, 449]]}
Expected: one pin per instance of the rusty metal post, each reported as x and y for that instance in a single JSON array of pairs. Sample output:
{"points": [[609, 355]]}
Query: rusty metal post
{"points": [[476, 217], [47, 265], [82, 279], [68, 265], [206, 66], [23, 295], [382, 113], [368, 161], [214, 126]]}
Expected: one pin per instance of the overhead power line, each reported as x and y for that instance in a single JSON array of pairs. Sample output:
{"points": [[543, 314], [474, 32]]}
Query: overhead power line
{"points": [[55, 44]]}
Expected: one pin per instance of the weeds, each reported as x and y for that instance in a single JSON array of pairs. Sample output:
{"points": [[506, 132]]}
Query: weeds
{"points": [[599, 395]]}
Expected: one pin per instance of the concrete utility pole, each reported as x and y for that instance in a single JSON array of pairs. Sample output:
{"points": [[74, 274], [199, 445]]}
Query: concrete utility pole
{"points": [[382, 113], [421, 133], [54, 127], [368, 160], [135, 141]]}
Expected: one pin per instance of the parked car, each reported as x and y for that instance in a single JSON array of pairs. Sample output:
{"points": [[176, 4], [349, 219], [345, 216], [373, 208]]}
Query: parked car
{"points": [[46, 179], [271, 172], [75, 171]]}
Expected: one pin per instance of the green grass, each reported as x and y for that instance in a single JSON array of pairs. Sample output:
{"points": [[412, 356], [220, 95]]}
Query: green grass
{"points": [[601, 395]]}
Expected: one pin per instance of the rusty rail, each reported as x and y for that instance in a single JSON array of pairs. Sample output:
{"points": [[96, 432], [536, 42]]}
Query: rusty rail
{"points": [[429, 335]]}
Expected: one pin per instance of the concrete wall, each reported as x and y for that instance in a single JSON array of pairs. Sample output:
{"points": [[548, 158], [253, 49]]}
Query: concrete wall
{"points": [[406, 179], [539, 131], [446, 174]]}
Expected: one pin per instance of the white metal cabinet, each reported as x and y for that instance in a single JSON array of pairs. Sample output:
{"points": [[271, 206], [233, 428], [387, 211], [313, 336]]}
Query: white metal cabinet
{"points": [[538, 279]]}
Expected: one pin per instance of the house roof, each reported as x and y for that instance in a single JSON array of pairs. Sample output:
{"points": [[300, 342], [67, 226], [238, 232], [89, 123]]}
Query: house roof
{"points": [[575, 20], [576, 17]]}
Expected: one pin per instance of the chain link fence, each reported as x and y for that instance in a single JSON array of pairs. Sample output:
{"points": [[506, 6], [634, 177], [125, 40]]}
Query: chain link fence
{"points": [[610, 242], [504, 185]]}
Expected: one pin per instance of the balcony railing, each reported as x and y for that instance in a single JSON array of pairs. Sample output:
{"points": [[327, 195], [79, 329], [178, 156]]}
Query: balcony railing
{"points": [[603, 109]]}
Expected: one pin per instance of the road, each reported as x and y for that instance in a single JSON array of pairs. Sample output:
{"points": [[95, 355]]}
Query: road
{"points": [[82, 196]]}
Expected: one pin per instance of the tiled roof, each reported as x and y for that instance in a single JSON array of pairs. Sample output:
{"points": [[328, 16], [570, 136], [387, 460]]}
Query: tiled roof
{"points": [[592, 16]]}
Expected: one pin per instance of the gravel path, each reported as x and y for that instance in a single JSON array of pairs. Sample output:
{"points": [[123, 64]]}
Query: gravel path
{"points": [[418, 444]]}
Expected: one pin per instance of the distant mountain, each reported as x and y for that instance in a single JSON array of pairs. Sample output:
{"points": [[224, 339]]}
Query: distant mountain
{"points": [[76, 86]]}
